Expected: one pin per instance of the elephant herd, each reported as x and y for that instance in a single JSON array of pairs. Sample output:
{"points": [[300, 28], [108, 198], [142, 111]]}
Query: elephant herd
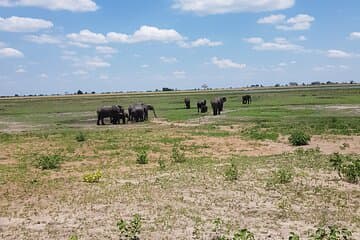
{"points": [[139, 112], [217, 104]]}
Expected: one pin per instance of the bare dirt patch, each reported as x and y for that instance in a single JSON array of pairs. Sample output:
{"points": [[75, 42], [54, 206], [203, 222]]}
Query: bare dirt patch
{"points": [[226, 146]]}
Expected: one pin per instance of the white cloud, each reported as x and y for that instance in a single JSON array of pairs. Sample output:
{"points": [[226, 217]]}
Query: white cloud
{"points": [[44, 76], [254, 40], [179, 74], [97, 63], [279, 44], [201, 42], [68, 5], [21, 24], [20, 70], [80, 73], [334, 53], [106, 50], [297, 23], [205, 7], [78, 44], [86, 36], [168, 59], [355, 35], [104, 77], [146, 33], [302, 38], [10, 53], [43, 39], [331, 68], [272, 19], [145, 66], [226, 63]]}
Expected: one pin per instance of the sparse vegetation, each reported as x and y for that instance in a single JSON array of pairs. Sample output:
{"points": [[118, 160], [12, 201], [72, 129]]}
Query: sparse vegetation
{"points": [[48, 162], [130, 230], [80, 137], [280, 176], [178, 155], [299, 138], [231, 172], [347, 167], [93, 177], [142, 157], [332, 233]]}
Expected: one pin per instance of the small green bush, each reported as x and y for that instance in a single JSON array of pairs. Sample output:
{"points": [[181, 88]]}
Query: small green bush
{"points": [[294, 236], [80, 137], [73, 237], [348, 168], [93, 177], [281, 176], [142, 157], [161, 163], [332, 233], [299, 138], [243, 234], [131, 230], [231, 173], [46, 162], [178, 155]]}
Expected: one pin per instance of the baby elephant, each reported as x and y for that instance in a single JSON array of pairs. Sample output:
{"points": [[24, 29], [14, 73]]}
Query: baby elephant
{"points": [[187, 102], [246, 99], [201, 106]]}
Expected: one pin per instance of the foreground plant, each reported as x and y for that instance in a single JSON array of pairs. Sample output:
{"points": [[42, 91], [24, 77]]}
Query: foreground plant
{"points": [[178, 154], [332, 233], [46, 162], [142, 157], [93, 177], [299, 138], [231, 173], [131, 230], [348, 168]]}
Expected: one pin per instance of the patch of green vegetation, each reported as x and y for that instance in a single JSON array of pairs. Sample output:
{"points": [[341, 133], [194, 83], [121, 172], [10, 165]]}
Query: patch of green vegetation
{"points": [[299, 138], [348, 167], [178, 155], [332, 233], [47, 162], [231, 172], [142, 157], [258, 133], [130, 230], [80, 137], [280, 176]]}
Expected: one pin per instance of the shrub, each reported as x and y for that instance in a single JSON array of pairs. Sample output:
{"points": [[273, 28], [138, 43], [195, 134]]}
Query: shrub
{"points": [[243, 234], [332, 233], [142, 157], [73, 237], [281, 176], [178, 155], [231, 173], [80, 137], [299, 138], [347, 168], [161, 163], [46, 162], [294, 236], [92, 177], [131, 230]]}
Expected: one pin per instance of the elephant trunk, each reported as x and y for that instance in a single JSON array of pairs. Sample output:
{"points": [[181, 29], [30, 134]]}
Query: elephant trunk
{"points": [[154, 113]]}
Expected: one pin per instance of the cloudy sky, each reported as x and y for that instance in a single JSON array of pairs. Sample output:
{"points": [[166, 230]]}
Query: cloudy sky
{"points": [[57, 46]]}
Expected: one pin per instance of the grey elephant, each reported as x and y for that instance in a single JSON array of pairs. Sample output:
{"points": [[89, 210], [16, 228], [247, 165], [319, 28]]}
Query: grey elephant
{"points": [[139, 112], [246, 99], [217, 105], [187, 102], [112, 112], [201, 106]]}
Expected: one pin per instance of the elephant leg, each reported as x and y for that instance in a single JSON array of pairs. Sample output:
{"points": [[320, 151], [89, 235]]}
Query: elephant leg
{"points": [[102, 121], [98, 120]]}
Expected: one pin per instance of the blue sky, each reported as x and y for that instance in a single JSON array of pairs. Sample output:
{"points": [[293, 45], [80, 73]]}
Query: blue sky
{"points": [[57, 46]]}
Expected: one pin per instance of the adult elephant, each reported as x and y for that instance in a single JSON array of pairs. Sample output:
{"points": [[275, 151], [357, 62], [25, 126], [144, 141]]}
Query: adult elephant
{"points": [[217, 105], [140, 112], [201, 106], [187, 102], [113, 112], [246, 99]]}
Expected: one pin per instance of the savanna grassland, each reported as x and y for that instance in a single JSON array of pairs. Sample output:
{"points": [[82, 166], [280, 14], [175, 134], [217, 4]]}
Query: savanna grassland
{"points": [[183, 175]]}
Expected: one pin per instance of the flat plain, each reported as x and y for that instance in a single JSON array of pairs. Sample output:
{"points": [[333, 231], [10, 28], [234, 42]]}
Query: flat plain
{"points": [[205, 175]]}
